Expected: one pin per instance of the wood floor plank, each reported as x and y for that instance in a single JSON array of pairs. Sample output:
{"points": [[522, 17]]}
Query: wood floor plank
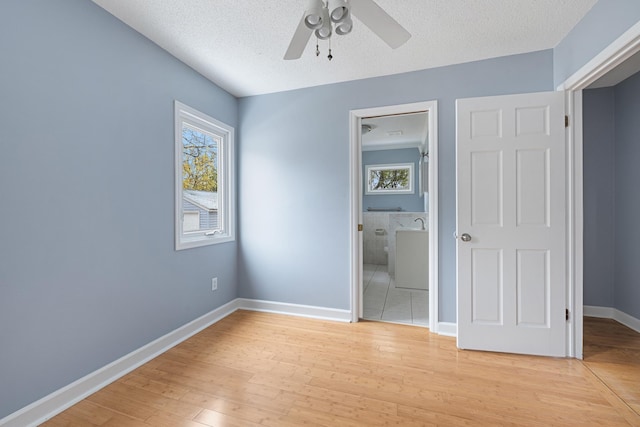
{"points": [[87, 413], [67, 419], [347, 411], [168, 419], [260, 398], [120, 403], [612, 354], [218, 419], [154, 401], [435, 418], [173, 391], [121, 420], [265, 370]]}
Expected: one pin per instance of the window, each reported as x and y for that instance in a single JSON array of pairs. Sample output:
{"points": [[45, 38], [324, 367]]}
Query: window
{"points": [[204, 195], [389, 179]]}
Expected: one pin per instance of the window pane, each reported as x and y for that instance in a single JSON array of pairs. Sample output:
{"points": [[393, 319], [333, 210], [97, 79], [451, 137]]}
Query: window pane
{"points": [[389, 179], [200, 179], [396, 178]]}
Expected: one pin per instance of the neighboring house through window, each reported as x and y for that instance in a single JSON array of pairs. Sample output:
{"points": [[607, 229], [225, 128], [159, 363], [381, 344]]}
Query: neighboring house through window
{"points": [[204, 162]]}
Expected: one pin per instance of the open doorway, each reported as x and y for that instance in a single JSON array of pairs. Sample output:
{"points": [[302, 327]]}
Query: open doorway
{"points": [[395, 163], [611, 323], [394, 204], [610, 68], [611, 201]]}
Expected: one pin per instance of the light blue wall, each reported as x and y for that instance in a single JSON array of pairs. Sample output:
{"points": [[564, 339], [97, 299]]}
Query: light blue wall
{"points": [[408, 202], [599, 149], [88, 270], [606, 21], [627, 196], [294, 174]]}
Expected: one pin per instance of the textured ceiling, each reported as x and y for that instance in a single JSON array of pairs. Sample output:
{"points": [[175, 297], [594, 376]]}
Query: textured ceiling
{"points": [[397, 131], [239, 44]]}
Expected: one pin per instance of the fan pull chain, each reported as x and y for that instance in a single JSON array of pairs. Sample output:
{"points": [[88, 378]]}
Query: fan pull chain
{"points": [[330, 56]]}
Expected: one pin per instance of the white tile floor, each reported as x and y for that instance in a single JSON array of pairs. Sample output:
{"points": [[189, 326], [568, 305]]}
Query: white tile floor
{"points": [[382, 301]]}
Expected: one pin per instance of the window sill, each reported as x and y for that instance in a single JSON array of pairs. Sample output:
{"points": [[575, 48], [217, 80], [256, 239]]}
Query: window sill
{"points": [[199, 241]]}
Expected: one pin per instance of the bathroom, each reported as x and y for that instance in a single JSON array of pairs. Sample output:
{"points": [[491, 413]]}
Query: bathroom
{"points": [[395, 219]]}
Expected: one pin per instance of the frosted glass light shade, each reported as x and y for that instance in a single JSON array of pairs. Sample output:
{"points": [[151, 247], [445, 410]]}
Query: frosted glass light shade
{"points": [[313, 15], [338, 10], [324, 32], [345, 26]]}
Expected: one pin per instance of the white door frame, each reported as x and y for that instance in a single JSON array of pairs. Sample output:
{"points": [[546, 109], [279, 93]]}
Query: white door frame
{"points": [[613, 55], [355, 184]]}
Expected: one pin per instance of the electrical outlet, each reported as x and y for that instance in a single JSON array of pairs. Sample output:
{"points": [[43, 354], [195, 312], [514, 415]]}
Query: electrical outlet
{"points": [[214, 284]]}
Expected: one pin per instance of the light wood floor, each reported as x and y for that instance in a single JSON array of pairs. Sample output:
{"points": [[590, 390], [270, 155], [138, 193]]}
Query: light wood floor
{"points": [[612, 352], [259, 369]]}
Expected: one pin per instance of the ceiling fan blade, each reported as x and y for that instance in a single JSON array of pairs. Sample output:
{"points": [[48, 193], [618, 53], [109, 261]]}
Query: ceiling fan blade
{"points": [[379, 21], [299, 41]]}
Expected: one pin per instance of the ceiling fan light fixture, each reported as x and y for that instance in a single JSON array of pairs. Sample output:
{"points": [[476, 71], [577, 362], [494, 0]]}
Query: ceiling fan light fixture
{"points": [[324, 32], [313, 15], [339, 10], [325, 17], [345, 26]]}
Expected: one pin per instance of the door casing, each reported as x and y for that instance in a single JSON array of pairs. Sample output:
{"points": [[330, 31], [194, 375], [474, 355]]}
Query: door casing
{"points": [[355, 185]]}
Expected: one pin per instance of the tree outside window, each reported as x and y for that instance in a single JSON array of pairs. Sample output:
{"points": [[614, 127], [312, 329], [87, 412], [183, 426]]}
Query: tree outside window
{"points": [[199, 160], [389, 179]]}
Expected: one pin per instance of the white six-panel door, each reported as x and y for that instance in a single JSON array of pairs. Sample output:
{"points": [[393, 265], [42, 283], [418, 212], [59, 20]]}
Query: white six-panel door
{"points": [[511, 223]]}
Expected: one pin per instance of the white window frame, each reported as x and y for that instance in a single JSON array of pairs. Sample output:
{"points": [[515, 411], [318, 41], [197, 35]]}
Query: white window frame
{"points": [[389, 166], [184, 114]]}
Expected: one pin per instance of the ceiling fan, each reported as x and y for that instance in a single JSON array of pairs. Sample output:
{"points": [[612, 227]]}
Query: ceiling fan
{"points": [[319, 16]]}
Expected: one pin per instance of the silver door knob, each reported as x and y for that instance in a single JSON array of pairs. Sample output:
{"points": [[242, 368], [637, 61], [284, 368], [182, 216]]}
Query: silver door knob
{"points": [[465, 237]]}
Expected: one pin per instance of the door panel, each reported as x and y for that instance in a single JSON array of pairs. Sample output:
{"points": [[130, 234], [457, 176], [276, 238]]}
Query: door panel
{"points": [[486, 286], [533, 287], [532, 187], [511, 180], [486, 188]]}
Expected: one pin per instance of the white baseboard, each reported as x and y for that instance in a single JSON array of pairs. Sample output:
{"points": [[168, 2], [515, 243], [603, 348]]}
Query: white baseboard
{"points": [[594, 311], [56, 402], [448, 328], [615, 314], [295, 310], [627, 320]]}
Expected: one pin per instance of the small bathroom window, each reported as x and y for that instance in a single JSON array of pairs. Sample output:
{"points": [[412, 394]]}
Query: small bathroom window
{"points": [[394, 178]]}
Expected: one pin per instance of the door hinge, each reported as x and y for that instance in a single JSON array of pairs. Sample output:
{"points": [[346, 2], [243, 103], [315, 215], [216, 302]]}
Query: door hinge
{"points": [[360, 227], [566, 314], [566, 121]]}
